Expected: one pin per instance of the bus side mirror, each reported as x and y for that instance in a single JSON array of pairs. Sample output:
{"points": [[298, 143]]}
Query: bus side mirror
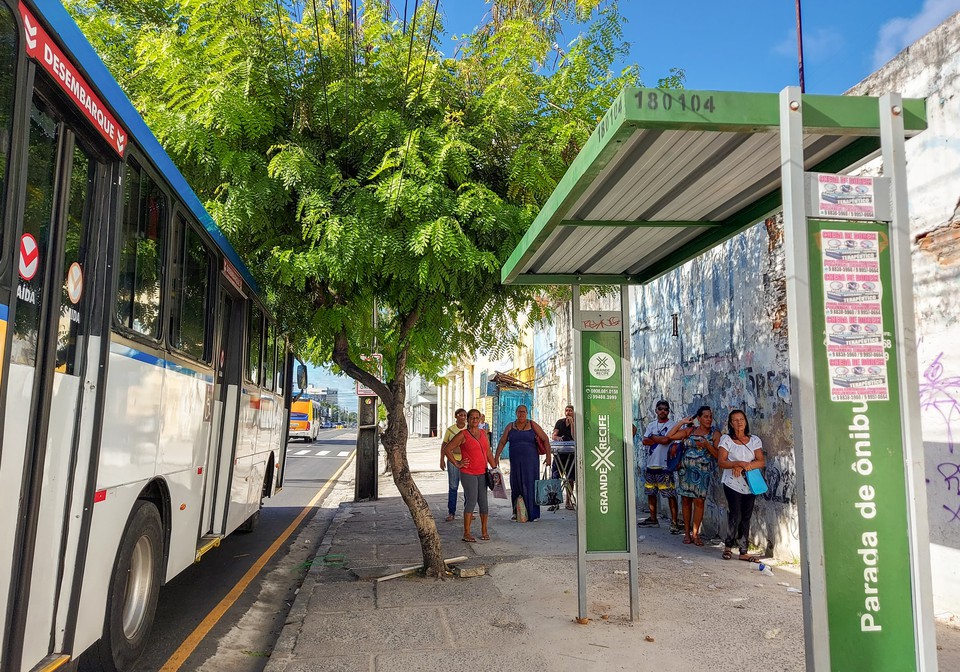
{"points": [[301, 376]]}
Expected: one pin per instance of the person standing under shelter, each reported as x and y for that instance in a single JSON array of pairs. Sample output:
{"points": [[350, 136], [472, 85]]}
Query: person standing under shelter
{"points": [[564, 431], [657, 480], [453, 473]]}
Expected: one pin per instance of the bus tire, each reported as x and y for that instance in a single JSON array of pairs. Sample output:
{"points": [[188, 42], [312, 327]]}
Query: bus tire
{"points": [[250, 524], [132, 596]]}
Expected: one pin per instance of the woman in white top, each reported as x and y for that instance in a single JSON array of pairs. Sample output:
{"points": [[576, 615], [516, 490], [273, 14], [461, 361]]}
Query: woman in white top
{"points": [[739, 452]]}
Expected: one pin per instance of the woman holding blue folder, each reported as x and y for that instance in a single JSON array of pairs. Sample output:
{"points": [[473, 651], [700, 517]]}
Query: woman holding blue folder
{"points": [[740, 452]]}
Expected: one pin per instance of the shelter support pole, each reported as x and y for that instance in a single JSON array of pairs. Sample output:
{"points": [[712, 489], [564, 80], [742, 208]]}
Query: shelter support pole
{"points": [[581, 469], [631, 491], [893, 148], [802, 392]]}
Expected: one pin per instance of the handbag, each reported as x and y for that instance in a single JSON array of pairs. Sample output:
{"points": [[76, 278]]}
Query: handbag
{"points": [[675, 455], [549, 491], [499, 489], [755, 481], [490, 480], [541, 446]]}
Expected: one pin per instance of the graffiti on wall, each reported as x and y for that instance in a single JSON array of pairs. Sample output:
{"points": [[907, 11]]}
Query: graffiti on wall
{"points": [[941, 394]]}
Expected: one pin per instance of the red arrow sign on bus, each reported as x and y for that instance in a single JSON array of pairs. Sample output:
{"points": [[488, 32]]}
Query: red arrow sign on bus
{"points": [[29, 257]]}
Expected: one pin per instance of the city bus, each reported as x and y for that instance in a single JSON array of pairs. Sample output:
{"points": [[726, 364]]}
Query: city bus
{"points": [[145, 387], [305, 419]]}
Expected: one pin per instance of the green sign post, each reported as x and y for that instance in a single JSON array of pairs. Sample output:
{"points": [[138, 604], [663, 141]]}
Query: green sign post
{"points": [[866, 552], [606, 513], [605, 505]]}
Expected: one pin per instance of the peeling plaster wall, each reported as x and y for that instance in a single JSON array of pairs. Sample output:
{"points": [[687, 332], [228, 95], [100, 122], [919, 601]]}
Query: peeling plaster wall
{"points": [[930, 69]]}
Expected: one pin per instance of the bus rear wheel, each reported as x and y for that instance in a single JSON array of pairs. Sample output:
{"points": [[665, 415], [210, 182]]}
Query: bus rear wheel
{"points": [[133, 593]]}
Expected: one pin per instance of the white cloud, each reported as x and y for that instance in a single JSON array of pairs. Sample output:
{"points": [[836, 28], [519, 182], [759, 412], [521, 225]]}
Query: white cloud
{"points": [[899, 33]]}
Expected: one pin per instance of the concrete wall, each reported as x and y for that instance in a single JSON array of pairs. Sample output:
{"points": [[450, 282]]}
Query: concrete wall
{"points": [[930, 69]]}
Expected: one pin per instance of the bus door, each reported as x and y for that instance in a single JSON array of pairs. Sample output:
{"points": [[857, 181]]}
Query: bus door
{"points": [[56, 356], [226, 396]]}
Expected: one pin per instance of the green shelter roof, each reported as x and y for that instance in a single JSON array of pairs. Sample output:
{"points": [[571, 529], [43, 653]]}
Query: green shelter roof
{"points": [[668, 174]]}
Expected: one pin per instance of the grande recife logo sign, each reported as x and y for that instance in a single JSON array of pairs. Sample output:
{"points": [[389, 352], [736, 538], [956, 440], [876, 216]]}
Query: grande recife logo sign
{"points": [[604, 455], [41, 47]]}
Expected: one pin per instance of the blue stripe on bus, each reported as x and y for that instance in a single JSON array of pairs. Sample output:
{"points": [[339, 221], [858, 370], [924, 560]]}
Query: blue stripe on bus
{"points": [[147, 358], [4, 312], [84, 57], [300, 417]]}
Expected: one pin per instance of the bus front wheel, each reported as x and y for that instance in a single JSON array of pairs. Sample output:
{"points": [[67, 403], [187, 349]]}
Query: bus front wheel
{"points": [[132, 597]]}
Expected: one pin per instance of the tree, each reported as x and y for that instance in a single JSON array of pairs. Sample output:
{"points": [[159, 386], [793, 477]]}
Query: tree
{"points": [[374, 186]]}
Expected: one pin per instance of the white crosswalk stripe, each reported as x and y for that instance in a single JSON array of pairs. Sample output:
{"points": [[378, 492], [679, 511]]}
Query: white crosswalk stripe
{"points": [[343, 453], [301, 452], [321, 453]]}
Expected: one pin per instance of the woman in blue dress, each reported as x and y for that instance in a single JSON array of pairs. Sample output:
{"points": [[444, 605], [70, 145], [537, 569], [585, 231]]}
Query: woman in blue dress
{"points": [[700, 440], [522, 434]]}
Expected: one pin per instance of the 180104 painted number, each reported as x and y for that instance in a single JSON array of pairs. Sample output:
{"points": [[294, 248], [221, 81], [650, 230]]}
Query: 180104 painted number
{"points": [[685, 102]]}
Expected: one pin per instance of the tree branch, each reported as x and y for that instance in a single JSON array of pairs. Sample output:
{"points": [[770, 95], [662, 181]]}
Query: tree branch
{"points": [[341, 355]]}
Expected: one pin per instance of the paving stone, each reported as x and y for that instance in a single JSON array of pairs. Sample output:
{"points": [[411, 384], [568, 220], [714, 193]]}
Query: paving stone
{"points": [[490, 656], [361, 663], [341, 597], [380, 630], [420, 591], [489, 621]]}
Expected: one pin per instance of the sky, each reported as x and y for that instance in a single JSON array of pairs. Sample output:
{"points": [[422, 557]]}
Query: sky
{"points": [[751, 45]]}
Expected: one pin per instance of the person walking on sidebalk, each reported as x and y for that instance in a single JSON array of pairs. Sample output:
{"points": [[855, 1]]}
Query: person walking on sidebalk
{"points": [[475, 456]]}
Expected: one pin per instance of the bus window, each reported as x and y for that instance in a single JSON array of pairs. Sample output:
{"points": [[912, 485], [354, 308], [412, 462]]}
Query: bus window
{"points": [[8, 79], [281, 367], [191, 297], [269, 359], [255, 337], [69, 330], [37, 212], [142, 237]]}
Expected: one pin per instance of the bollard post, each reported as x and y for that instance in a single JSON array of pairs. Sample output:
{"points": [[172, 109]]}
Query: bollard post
{"points": [[367, 450]]}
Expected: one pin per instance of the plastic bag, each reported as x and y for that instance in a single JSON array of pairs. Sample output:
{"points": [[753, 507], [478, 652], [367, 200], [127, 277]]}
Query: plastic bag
{"points": [[522, 515], [499, 490]]}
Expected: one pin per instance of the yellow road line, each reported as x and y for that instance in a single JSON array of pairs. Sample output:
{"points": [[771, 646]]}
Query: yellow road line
{"points": [[193, 640]]}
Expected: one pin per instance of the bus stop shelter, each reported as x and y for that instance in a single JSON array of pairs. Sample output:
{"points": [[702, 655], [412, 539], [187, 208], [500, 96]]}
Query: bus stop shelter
{"points": [[668, 174]]}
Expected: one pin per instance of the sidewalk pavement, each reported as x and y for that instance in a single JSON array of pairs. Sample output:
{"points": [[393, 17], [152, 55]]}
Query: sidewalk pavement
{"points": [[697, 611]]}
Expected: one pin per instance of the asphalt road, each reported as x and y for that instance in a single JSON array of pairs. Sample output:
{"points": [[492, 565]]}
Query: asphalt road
{"points": [[236, 643]]}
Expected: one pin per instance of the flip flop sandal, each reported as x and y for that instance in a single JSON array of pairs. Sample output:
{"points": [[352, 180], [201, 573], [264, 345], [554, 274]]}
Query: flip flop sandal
{"points": [[687, 540], [698, 542], [470, 540], [485, 537], [727, 554], [751, 558], [450, 517]]}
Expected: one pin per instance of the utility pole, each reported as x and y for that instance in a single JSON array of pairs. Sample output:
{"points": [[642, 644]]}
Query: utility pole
{"points": [[800, 47]]}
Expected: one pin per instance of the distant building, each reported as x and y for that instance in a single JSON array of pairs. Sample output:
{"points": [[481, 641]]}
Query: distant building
{"points": [[322, 394]]}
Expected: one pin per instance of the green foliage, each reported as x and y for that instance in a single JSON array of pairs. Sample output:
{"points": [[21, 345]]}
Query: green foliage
{"points": [[358, 171]]}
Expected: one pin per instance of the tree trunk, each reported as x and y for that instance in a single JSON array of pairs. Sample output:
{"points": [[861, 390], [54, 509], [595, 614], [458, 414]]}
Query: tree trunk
{"points": [[395, 443]]}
